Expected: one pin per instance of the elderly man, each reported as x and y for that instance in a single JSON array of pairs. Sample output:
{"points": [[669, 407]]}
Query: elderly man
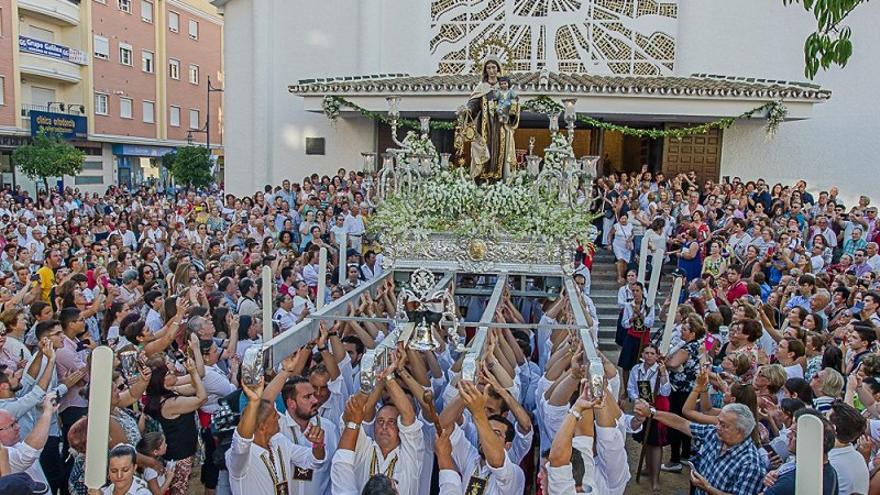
{"points": [[23, 455], [728, 460]]}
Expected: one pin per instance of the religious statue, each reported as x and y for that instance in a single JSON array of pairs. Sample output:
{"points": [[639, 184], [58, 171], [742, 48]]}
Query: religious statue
{"points": [[488, 121]]}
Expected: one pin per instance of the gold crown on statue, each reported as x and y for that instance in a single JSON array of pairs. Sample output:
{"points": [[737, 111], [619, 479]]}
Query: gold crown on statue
{"points": [[492, 48]]}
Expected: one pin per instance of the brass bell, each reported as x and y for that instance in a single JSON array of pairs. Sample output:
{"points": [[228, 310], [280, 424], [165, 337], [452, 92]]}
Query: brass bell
{"points": [[423, 338]]}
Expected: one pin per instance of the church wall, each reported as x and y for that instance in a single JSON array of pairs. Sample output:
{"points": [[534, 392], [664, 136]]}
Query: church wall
{"points": [[838, 145], [271, 44]]}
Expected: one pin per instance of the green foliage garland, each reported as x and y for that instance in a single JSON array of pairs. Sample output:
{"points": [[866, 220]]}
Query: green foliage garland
{"points": [[544, 105]]}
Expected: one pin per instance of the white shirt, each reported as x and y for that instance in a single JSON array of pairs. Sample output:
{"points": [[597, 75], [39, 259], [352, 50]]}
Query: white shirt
{"points": [[310, 275], [248, 473], [354, 225], [608, 473], [852, 471], [217, 385], [285, 319], [299, 304], [351, 470], [138, 487], [794, 371], [25, 459], [504, 480], [154, 321], [641, 373], [320, 476]]}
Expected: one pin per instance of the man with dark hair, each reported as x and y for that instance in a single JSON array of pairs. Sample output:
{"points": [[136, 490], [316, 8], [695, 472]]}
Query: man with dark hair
{"points": [[261, 461], [247, 304], [789, 351], [738, 287], [860, 341], [154, 301], [852, 472], [782, 481], [301, 417]]}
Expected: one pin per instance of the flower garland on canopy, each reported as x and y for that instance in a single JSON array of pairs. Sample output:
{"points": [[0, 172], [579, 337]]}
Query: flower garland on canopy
{"points": [[452, 202], [774, 110]]}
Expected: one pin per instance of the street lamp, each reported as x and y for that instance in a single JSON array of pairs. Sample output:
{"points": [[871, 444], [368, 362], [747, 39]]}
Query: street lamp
{"points": [[211, 89]]}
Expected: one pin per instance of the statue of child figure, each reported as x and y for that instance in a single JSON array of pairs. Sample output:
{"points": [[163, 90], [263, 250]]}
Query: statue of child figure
{"points": [[504, 98]]}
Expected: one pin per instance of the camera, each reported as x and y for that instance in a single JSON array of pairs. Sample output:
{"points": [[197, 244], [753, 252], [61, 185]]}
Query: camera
{"points": [[223, 423]]}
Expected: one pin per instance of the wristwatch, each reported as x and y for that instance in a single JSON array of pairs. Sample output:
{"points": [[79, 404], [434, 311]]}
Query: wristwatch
{"points": [[389, 377], [351, 425], [574, 412], [653, 411]]}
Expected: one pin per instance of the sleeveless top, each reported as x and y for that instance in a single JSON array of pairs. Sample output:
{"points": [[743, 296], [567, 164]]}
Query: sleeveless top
{"points": [[181, 435]]}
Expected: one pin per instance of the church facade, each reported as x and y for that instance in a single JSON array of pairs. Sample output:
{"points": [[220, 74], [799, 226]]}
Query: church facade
{"points": [[652, 64]]}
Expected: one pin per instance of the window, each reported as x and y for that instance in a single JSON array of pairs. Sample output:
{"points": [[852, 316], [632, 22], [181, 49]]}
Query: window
{"points": [[174, 68], [194, 119], [41, 34], [125, 54], [102, 48], [194, 74], [125, 6], [42, 96], [88, 180], [1, 21], [173, 21], [2, 90], [92, 165], [174, 117], [149, 108], [147, 59], [194, 29], [101, 104], [125, 108], [146, 11]]}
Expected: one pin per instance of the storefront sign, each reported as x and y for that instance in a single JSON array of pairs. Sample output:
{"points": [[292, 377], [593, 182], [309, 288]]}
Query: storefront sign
{"points": [[61, 52], [60, 124], [141, 150]]}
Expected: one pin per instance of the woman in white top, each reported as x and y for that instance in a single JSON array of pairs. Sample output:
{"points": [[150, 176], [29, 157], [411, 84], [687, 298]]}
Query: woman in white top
{"points": [[121, 468], [622, 245], [624, 297]]}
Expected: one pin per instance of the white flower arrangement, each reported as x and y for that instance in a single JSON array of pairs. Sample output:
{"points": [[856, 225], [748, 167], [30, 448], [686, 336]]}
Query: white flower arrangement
{"points": [[775, 116], [451, 202], [420, 145], [331, 106], [555, 154]]}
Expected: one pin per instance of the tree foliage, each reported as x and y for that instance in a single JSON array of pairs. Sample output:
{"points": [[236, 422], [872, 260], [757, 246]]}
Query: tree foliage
{"points": [[48, 156], [830, 44], [190, 166]]}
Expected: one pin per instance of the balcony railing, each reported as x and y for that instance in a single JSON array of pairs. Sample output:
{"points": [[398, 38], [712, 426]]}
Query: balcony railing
{"points": [[74, 109]]}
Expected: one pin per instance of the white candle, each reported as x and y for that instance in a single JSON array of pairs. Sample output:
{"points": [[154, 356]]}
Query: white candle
{"points": [[656, 268], [670, 316], [98, 431], [343, 256], [808, 474], [322, 278], [643, 260], [268, 332]]}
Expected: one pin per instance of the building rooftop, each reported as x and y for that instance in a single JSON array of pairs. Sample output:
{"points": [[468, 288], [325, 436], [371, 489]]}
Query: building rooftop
{"points": [[539, 82]]}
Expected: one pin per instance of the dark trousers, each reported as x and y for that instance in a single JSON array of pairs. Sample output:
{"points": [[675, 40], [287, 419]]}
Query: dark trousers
{"points": [[67, 418], [210, 473], [678, 441], [53, 466]]}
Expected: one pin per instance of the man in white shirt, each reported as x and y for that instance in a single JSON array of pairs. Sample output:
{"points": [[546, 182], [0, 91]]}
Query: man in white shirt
{"points": [[302, 413], [154, 301], [354, 225], [489, 466], [301, 302], [852, 471], [283, 316], [216, 382], [393, 452], [24, 455], [129, 240], [260, 460], [873, 257], [608, 471]]}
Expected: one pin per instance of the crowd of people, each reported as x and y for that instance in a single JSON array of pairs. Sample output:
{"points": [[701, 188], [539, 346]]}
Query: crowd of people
{"points": [[778, 320]]}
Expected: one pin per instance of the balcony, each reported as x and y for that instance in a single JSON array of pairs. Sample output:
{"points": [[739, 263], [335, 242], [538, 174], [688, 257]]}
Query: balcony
{"points": [[65, 11], [43, 66]]}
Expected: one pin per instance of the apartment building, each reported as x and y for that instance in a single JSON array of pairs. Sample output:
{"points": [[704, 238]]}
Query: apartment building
{"points": [[130, 78]]}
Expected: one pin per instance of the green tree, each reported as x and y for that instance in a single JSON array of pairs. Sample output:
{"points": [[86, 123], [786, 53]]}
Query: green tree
{"points": [[830, 44], [48, 156], [190, 166]]}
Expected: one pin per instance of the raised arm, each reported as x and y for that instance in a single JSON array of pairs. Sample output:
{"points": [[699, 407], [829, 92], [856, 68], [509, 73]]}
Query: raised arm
{"points": [[491, 445], [643, 410]]}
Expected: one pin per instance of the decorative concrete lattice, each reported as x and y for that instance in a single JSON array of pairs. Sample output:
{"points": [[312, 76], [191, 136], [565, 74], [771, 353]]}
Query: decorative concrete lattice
{"points": [[632, 37]]}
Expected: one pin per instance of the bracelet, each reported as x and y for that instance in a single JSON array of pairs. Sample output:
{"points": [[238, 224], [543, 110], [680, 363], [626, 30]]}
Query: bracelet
{"points": [[351, 425], [322, 348], [577, 415], [390, 377]]}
